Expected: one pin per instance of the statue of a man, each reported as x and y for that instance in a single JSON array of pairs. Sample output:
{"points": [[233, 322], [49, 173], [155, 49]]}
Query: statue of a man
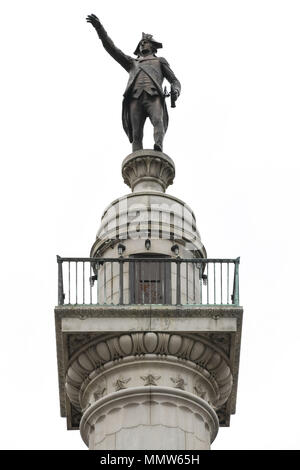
{"points": [[144, 96]]}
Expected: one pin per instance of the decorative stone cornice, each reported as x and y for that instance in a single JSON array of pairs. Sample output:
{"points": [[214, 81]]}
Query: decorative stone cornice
{"points": [[85, 323], [179, 361], [148, 168]]}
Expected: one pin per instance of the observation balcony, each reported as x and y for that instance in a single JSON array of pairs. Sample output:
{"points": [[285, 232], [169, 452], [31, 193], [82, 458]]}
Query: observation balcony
{"points": [[142, 295]]}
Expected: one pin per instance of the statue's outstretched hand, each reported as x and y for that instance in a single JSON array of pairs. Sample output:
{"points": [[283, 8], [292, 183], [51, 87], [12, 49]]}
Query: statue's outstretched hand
{"points": [[94, 20]]}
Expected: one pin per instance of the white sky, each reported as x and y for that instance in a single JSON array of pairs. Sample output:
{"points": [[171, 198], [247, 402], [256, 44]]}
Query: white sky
{"points": [[234, 137]]}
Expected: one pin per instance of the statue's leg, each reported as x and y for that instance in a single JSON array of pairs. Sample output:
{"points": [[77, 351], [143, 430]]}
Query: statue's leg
{"points": [[137, 117], [155, 113]]}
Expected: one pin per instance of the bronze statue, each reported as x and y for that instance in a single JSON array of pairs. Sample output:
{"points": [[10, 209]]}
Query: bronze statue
{"points": [[144, 96]]}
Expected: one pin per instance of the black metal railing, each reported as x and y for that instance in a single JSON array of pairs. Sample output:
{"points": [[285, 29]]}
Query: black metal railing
{"points": [[148, 280]]}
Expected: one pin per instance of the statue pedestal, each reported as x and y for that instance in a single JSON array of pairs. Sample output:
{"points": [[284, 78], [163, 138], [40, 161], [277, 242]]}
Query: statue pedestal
{"points": [[148, 170]]}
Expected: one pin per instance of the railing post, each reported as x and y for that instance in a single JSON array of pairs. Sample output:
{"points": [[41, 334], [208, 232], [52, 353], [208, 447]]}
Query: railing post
{"points": [[200, 281], [121, 282], [178, 283], [236, 293], [97, 268], [61, 295]]}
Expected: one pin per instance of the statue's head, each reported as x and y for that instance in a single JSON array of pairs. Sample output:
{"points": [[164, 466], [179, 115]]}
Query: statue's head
{"points": [[147, 45]]}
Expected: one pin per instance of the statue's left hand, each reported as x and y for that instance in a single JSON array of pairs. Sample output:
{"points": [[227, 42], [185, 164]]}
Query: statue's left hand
{"points": [[175, 94]]}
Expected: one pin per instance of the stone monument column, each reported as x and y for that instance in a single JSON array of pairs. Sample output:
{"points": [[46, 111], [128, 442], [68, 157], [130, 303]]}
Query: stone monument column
{"points": [[153, 374]]}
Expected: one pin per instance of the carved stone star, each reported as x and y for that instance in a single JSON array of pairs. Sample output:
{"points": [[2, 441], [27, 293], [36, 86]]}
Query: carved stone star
{"points": [[150, 379], [202, 394], [120, 383], [179, 382], [99, 393]]}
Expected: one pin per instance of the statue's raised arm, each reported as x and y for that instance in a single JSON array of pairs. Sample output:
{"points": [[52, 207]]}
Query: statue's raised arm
{"points": [[108, 44], [144, 96]]}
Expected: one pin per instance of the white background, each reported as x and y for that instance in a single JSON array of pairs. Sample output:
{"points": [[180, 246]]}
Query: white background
{"points": [[234, 137]]}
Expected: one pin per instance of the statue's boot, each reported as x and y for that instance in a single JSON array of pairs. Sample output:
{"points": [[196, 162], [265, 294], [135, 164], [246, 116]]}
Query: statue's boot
{"points": [[158, 147]]}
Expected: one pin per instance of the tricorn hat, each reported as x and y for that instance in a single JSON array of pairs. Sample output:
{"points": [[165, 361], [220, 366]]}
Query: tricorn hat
{"points": [[148, 37]]}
